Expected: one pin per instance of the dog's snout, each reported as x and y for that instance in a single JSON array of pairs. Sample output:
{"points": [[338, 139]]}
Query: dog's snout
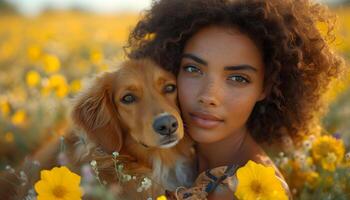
{"points": [[165, 125]]}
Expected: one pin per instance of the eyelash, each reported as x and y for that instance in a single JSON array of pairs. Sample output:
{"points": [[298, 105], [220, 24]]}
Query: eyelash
{"points": [[185, 68], [245, 80]]}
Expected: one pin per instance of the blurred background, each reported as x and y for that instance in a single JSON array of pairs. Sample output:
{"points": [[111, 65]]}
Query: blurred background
{"points": [[48, 49]]}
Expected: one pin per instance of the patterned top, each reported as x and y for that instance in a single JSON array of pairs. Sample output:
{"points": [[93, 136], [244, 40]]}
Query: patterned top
{"points": [[218, 179]]}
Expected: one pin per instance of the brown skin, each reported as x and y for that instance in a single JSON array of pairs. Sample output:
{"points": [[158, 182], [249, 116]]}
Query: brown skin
{"points": [[205, 85], [210, 88], [230, 95]]}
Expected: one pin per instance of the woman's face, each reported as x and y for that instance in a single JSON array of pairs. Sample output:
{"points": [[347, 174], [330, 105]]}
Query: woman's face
{"points": [[220, 80]]}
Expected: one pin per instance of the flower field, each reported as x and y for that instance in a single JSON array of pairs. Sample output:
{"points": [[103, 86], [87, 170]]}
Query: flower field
{"points": [[45, 61]]}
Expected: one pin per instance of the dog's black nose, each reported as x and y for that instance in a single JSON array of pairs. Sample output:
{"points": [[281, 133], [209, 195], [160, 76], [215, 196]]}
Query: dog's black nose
{"points": [[165, 125]]}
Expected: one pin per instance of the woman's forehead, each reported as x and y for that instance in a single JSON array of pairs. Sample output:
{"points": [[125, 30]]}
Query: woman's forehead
{"points": [[223, 45]]}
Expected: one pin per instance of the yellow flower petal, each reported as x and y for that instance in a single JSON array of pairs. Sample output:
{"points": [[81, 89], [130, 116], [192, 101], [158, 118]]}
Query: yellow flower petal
{"points": [[161, 198], [328, 152], [75, 86], [32, 78], [19, 117], [51, 64], [59, 183], [34, 52], [255, 181], [4, 107], [58, 84]]}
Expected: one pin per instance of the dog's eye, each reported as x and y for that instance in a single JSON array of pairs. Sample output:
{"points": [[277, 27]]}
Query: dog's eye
{"points": [[169, 88], [127, 99]]}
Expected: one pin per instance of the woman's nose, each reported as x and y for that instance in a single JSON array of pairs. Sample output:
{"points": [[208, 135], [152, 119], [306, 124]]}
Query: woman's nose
{"points": [[208, 101], [210, 94]]}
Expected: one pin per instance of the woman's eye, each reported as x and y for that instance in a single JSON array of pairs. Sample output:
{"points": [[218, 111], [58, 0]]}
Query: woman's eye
{"points": [[191, 69], [170, 88], [239, 79], [128, 99]]}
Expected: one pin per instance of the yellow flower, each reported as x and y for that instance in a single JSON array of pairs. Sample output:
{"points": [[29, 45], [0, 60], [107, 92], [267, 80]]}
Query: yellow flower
{"points": [[19, 117], [32, 78], [328, 152], [58, 184], [51, 64], [255, 181], [96, 56], [312, 179], [161, 198], [56, 83], [75, 86], [309, 161], [56, 80], [4, 107], [62, 91], [34, 52]]}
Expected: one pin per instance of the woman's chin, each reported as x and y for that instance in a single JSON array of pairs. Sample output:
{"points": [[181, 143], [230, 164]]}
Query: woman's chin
{"points": [[203, 136]]}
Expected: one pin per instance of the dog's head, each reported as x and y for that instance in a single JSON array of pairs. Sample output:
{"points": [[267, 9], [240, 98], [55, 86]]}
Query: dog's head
{"points": [[139, 100]]}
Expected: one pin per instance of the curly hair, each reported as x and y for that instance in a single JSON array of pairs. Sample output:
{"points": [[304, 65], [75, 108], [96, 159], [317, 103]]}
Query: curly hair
{"points": [[299, 64]]}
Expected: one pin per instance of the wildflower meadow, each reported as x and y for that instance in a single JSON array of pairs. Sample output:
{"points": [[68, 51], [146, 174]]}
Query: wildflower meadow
{"points": [[46, 60]]}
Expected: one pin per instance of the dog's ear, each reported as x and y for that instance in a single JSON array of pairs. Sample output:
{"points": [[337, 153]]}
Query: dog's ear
{"points": [[95, 112]]}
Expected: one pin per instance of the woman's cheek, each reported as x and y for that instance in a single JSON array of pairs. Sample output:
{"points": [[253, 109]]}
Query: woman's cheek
{"points": [[240, 106], [186, 91]]}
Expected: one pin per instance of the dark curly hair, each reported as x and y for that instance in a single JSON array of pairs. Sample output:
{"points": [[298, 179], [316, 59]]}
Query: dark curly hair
{"points": [[299, 64]]}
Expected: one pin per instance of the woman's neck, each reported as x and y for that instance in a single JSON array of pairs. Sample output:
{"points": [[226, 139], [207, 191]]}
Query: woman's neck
{"points": [[231, 150]]}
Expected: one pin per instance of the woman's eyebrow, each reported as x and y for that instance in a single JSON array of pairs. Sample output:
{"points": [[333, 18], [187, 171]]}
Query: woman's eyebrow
{"points": [[240, 67], [195, 58], [228, 68]]}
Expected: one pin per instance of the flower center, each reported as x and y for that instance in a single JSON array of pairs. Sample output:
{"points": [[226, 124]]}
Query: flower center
{"points": [[59, 191], [331, 157], [256, 187]]}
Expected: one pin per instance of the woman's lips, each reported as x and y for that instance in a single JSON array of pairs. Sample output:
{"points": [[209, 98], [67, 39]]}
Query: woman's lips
{"points": [[205, 120]]}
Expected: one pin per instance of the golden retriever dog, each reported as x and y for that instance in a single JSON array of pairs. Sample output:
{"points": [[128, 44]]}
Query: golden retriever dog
{"points": [[133, 112]]}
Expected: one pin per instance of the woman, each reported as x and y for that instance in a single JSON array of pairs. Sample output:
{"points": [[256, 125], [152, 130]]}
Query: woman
{"points": [[249, 72]]}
